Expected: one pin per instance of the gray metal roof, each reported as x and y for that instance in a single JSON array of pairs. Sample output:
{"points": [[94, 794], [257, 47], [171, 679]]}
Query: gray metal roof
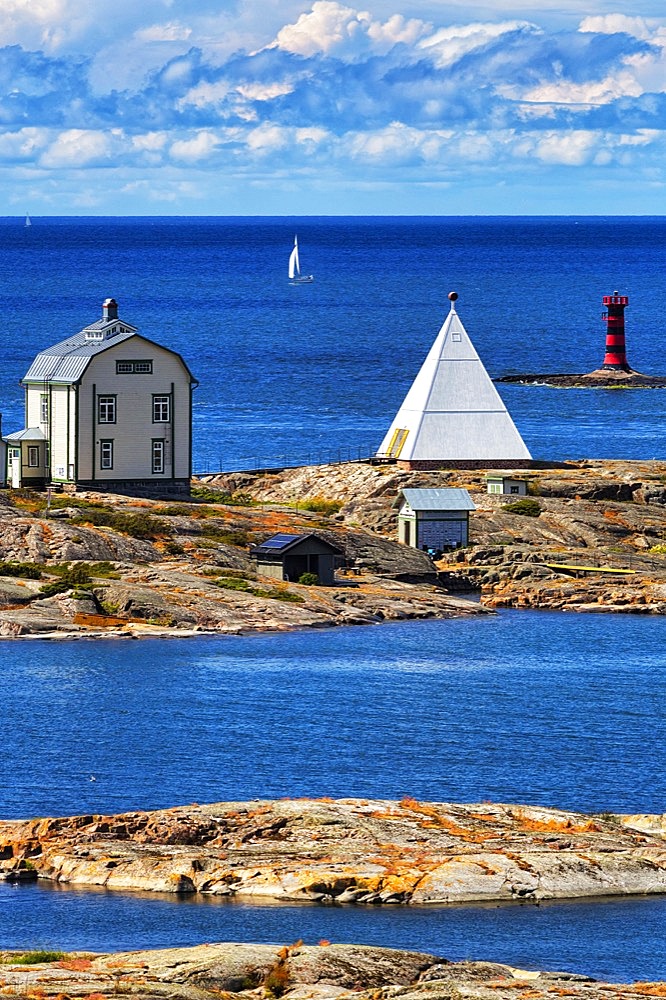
{"points": [[438, 499], [66, 361], [27, 434]]}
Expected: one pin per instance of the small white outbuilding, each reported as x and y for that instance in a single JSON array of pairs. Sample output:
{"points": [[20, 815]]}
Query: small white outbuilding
{"points": [[434, 520]]}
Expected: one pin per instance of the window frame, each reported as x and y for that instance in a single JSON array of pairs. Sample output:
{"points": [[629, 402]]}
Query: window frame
{"points": [[157, 449], [164, 401], [144, 366], [43, 407], [33, 453], [104, 401], [106, 445]]}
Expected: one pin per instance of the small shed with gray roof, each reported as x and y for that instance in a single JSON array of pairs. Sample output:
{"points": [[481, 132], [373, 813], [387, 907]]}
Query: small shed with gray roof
{"points": [[289, 557], [435, 520]]}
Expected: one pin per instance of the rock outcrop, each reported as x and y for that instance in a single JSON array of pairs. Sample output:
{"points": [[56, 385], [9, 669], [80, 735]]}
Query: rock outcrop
{"points": [[346, 851], [298, 971], [190, 571], [605, 521]]}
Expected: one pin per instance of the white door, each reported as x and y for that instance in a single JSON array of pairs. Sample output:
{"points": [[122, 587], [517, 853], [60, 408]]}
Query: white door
{"points": [[15, 467]]}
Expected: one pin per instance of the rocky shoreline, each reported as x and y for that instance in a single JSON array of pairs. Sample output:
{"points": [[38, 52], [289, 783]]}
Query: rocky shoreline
{"points": [[348, 851], [298, 971], [592, 537]]}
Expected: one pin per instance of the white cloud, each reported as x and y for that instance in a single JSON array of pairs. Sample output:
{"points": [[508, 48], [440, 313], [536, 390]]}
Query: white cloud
{"points": [[333, 29], [25, 144], [265, 91], [80, 148], [195, 149], [612, 24], [172, 31], [448, 45]]}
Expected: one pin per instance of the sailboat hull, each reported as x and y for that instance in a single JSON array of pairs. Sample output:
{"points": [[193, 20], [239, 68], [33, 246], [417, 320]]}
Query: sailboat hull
{"points": [[302, 279]]}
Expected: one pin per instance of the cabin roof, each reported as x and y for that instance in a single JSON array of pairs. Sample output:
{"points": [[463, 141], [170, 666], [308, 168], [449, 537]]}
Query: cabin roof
{"points": [[453, 410], [280, 544], [27, 434], [437, 499]]}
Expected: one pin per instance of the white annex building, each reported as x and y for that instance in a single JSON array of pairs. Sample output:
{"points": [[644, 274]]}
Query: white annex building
{"points": [[453, 414], [106, 409]]}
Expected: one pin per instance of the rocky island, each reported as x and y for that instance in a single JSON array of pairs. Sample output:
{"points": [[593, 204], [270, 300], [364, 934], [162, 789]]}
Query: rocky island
{"points": [[348, 851], [590, 536], [303, 972]]}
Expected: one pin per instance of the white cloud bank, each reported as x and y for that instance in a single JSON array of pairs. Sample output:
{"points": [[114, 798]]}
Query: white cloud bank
{"points": [[337, 95]]}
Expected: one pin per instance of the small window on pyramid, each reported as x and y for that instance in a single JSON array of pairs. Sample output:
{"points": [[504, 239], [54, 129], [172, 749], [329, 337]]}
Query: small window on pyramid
{"points": [[455, 336]]}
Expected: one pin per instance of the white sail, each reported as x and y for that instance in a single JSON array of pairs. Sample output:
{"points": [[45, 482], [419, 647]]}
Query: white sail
{"points": [[28, 220], [294, 265]]}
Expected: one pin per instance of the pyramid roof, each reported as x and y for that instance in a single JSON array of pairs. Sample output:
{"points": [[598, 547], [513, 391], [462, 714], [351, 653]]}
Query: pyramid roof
{"points": [[453, 412]]}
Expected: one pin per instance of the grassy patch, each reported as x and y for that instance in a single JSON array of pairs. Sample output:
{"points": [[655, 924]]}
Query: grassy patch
{"points": [[34, 957], [320, 505], [208, 495], [25, 570], [239, 538], [280, 593], [527, 507], [135, 525]]}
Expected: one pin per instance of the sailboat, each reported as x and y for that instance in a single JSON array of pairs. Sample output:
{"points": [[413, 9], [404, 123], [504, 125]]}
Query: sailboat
{"points": [[28, 220], [295, 276]]}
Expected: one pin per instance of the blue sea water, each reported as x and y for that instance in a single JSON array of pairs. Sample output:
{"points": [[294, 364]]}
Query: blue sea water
{"points": [[548, 708], [298, 374], [543, 708]]}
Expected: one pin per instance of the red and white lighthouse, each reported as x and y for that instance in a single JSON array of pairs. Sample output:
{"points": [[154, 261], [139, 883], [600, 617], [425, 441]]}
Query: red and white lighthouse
{"points": [[616, 355]]}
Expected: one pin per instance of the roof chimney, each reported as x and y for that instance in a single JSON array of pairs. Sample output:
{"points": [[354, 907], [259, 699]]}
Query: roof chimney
{"points": [[109, 309]]}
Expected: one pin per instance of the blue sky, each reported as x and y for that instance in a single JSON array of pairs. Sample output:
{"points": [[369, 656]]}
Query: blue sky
{"points": [[281, 107]]}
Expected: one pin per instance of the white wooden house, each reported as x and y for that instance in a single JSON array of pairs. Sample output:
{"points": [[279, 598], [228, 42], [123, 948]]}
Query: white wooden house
{"points": [[453, 415], [506, 484], [434, 519], [106, 409]]}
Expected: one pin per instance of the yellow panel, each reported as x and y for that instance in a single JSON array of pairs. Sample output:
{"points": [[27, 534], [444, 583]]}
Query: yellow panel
{"points": [[397, 442]]}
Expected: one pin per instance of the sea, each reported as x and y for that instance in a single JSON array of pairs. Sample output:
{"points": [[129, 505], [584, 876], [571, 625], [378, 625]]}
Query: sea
{"points": [[313, 373], [546, 708]]}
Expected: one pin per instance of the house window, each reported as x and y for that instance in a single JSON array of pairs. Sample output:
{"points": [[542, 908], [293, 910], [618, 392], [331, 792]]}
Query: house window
{"points": [[44, 408], [158, 455], [494, 487], [106, 409], [106, 454], [33, 456], [515, 489], [161, 409], [134, 367]]}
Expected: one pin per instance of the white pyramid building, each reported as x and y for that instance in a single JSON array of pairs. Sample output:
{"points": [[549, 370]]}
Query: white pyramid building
{"points": [[453, 414]]}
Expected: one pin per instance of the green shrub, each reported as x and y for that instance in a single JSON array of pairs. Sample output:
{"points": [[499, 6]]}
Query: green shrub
{"points": [[209, 495], [527, 507], [225, 537], [658, 550], [27, 571], [136, 525], [280, 593], [309, 579], [35, 957], [173, 549], [71, 577], [179, 510], [321, 506]]}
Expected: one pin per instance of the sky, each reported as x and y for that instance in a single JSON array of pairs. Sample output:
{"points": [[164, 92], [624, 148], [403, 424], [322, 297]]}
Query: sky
{"points": [[294, 107]]}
